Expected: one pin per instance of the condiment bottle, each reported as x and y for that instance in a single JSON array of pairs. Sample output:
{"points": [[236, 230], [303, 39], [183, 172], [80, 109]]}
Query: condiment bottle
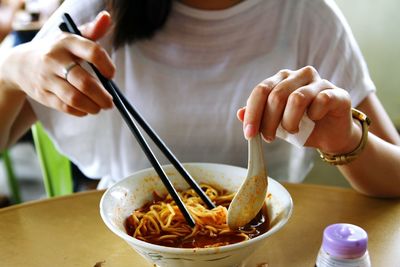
{"points": [[344, 245]]}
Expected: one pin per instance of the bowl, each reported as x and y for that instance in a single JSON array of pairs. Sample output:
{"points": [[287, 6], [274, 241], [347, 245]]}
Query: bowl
{"points": [[118, 202]]}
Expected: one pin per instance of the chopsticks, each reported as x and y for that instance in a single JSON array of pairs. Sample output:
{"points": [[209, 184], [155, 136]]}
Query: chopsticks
{"points": [[128, 112]]}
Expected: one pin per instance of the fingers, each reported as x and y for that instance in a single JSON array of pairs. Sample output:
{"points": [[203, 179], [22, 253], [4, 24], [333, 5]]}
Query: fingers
{"points": [[299, 102], [98, 27], [87, 50], [268, 102], [82, 91], [255, 110], [256, 104], [284, 98], [334, 127], [74, 98], [335, 102], [277, 101], [88, 85], [51, 100], [44, 65]]}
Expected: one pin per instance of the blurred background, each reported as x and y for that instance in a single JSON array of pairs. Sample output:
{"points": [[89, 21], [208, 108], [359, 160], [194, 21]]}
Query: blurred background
{"points": [[375, 25]]}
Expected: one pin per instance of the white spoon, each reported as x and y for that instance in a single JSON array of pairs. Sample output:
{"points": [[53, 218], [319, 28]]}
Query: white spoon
{"points": [[250, 197]]}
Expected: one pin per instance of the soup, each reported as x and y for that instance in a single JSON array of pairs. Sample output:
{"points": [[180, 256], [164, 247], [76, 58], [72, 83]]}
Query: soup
{"points": [[160, 221]]}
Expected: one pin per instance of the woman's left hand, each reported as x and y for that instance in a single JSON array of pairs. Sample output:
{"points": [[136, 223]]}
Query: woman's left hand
{"points": [[285, 97]]}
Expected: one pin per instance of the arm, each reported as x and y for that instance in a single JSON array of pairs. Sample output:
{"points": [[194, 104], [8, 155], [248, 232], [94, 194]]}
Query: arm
{"points": [[16, 115], [36, 70], [287, 96], [376, 171]]}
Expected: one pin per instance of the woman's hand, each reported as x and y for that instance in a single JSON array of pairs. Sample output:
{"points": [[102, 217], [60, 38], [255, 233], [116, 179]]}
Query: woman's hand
{"points": [[39, 70], [285, 97]]}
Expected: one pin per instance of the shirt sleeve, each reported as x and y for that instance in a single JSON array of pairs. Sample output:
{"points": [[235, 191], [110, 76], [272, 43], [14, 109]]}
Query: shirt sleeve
{"points": [[327, 43]]}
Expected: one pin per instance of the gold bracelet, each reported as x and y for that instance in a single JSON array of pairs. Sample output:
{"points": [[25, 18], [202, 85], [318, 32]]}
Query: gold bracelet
{"points": [[349, 157]]}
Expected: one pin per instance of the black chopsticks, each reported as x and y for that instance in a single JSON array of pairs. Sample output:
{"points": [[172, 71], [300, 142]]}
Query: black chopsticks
{"points": [[127, 111]]}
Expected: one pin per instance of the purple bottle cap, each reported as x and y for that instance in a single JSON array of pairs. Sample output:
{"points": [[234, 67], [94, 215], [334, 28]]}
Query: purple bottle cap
{"points": [[344, 240]]}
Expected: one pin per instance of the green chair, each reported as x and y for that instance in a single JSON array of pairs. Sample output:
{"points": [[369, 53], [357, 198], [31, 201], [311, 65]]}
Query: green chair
{"points": [[11, 178], [56, 168]]}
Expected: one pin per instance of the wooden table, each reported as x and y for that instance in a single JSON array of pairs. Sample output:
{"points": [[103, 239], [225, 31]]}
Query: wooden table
{"points": [[68, 231]]}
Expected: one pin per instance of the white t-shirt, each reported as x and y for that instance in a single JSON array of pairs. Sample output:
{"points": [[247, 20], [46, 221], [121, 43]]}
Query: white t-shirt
{"points": [[190, 79]]}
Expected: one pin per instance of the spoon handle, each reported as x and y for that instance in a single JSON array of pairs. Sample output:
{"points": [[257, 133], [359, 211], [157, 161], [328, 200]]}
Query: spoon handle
{"points": [[250, 197], [256, 162]]}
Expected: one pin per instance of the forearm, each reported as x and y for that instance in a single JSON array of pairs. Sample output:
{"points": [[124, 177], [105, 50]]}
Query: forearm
{"points": [[376, 172], [16, 115]]}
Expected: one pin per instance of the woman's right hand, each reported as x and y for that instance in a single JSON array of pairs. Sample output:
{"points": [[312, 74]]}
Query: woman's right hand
{"points": [[38, 69]]}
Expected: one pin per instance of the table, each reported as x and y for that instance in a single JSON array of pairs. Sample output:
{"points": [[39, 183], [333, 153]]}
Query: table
{"points": [[68, 231]]}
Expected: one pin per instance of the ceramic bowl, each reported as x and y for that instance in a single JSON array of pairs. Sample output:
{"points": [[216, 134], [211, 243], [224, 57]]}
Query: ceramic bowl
{"points": [[133, 192]]}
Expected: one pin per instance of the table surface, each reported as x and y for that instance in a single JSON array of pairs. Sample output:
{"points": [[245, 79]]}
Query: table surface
{"points": [[68, 231]]}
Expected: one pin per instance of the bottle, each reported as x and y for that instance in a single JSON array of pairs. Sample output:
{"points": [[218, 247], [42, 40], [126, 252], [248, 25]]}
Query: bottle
{"points": [[344, 245]]}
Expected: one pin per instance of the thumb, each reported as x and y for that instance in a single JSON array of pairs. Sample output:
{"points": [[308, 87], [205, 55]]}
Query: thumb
{"points": [[97, 28]]}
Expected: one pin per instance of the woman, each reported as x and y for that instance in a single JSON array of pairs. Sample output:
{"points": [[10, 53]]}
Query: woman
{"points": [[188, 67]]}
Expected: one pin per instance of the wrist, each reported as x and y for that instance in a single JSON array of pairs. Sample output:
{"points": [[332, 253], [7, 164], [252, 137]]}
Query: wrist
{"points": [[8, 69], [347, 142], [352, 141], [349, 153]]}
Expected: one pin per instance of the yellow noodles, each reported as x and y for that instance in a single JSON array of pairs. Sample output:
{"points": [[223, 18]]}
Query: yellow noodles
{"points": [[161, 222]]}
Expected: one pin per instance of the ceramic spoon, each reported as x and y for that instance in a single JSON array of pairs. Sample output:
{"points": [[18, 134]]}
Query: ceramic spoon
{"points": [[250, 197]]}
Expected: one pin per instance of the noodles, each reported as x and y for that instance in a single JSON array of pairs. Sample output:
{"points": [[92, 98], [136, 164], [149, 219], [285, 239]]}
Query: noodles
{"points": [[161, 222]]}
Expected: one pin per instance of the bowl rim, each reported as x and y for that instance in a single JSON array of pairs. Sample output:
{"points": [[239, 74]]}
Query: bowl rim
{"points": [[174, 250]]}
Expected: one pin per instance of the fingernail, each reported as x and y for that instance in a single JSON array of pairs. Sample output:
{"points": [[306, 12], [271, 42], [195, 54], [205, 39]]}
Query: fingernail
{"points": [[268, 139], [295, 131], [101, 13], [249, 131]]}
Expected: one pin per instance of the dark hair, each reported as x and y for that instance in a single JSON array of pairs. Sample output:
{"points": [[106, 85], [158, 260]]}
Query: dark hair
{"points": [[137, 19]]}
